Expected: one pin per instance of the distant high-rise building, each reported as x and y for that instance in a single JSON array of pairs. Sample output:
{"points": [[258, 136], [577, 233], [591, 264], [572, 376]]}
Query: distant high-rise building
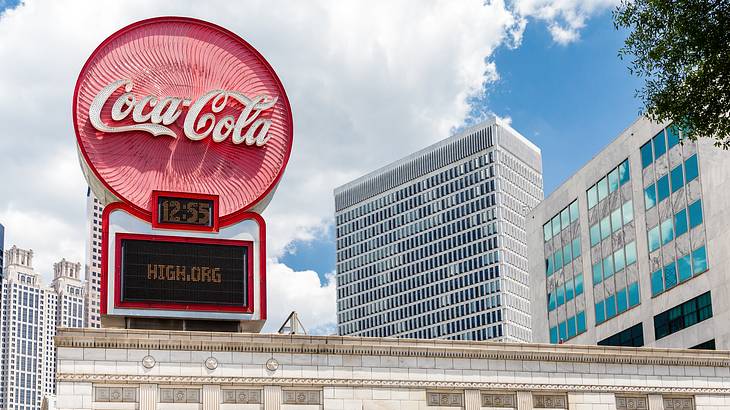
{"points": [[92, 312], [30, 314], [633, 249], [434, 245], [2, 251]]}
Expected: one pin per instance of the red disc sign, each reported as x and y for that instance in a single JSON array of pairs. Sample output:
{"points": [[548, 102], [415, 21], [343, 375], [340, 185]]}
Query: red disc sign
{"points": [[181, 105]]}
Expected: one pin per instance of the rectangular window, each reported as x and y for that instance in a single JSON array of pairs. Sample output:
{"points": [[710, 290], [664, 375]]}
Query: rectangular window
{"points": [[562, 331], [558, 259], [667, 231], [684, 268], [571, 326], [695, 214], [630, 253], [569, 291], [622, 301], [592, 195], [578, 284], [549, 265], [567, 254], [610, 306], [565, 218], [574, 211], [561, 295], [631, 337], [662, 188], [554, 335], [680, 223], [628, 210], [670, 276], [699, 261], [602, 189], [653, 237], [672, 136], [597, 273], [677, 178], [647, 157], [691, 170], [613, 180], [600, 313], [576, 247], [547, 231], [634, 294], [623, 172], [556, 224], [580, 319], [618, 260], [660, 146], [608, 266], [595, 232], [657, 283], [683, 315], [551, 301], [605, 227], [650, 197], [616, 220]]}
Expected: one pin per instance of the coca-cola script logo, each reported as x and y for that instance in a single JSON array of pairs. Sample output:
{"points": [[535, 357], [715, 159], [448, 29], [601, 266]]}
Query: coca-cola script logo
{"points": [[181, 105]]}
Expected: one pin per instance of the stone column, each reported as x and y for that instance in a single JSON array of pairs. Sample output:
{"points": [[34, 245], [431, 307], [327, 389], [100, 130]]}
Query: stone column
{"points": [[656, 402], [472, 400], [272, 398], [148, 397], [211, 397], [524, 400]]}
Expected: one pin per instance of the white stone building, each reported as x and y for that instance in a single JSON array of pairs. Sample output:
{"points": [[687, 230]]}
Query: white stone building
{"points": [[434, 245], [30, 315], [633, 249], [92, 312], [167, 370]]}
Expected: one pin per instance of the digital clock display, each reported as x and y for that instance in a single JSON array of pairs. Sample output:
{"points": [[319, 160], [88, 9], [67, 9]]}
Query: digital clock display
{"points": [[184, 211]]}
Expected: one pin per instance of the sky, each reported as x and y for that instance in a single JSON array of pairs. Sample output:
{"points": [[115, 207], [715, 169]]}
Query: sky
{"points": [[369, 82]]}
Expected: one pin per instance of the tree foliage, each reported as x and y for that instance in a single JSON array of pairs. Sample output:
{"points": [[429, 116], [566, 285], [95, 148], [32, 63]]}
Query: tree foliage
{"points": [[682, 50]]}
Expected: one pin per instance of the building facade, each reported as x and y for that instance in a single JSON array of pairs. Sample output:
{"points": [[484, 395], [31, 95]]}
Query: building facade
{"points": [[30, 315], [92, 311], [434, 245], [167, 370], [633, 249]]}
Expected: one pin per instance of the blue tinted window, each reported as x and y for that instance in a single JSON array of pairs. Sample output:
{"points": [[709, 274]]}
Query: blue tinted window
{"points": [[610, 306], [602, 189], [608, 266], [699, 261], [576, 247], [567, 254], [551, 301], [653, 236], [580, 319], [558, 259], [650, 196], [605, 227], [677, 177], [646, 155], [595, 234], [672, 136], [670, 276], [554, 335], [547, 230], [565, 218], [690, 169], [662, 188], [628, 210], [667, 231], [556, 224], [613, 180], [660, 146], [657, 283], [573, 211], [630, 251], [684, 268], [571, 326], [680, 223], [561, 295], [597, 273], [569, 291], [622, 301], [592, 195], [562, 331], [549, 266], [623, 172], [634, 294], [695, 214], [618, 260], [578, 284], [600, 313], [616, 220]]}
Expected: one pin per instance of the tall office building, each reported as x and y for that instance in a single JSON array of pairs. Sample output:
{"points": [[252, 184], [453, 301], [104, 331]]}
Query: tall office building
{"points": [[634, 249], [434, 245], [92, 310], [31, 313]]}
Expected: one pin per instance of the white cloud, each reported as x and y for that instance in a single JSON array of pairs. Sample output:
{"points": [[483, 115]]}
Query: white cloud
{"points": [[369, 82], [565, 18]]}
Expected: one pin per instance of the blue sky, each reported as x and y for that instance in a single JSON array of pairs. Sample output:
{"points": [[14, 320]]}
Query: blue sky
{"points": [[570, 100]]}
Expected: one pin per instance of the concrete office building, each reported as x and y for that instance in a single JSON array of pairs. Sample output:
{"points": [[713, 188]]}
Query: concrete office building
{"points": [[434, 245], [633, 250], [92, 311]]}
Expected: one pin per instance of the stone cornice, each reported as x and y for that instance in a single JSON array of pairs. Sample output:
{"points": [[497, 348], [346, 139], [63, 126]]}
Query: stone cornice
{"points": [[327, 382], [339, 345]]}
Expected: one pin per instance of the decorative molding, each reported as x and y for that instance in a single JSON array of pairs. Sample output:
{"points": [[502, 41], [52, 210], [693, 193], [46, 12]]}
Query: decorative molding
{"points": [[632, 403], [148, 362], [179, 395], [550, 401], [211, 363], [272, 364], [445, 399], [301, 397], [421, 384], [241, 396], [115, 394], [679, 403], [508, 400], [340, 345]]}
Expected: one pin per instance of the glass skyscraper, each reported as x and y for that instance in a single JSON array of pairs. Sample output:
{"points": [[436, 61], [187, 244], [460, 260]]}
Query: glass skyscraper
{"points": [[434, 245]]}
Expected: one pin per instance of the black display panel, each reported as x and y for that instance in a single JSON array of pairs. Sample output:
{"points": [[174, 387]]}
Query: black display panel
{"points": [[184, 211], [161, 272]]}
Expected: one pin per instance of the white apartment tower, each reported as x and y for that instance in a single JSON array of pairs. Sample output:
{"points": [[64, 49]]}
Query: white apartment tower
{"points": [[92, 311], [434, 245]]}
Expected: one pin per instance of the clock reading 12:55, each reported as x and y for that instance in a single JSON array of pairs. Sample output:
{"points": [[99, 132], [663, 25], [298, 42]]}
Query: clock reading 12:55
{"points": [[184, 211]]}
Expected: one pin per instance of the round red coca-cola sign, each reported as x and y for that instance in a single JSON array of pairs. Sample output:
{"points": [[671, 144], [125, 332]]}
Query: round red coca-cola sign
{"points": [[181, 105]]}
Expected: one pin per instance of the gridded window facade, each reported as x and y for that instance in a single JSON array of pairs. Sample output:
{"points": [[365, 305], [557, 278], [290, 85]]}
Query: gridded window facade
{"points": [[631, 337], [683, 316], [433, 246]]}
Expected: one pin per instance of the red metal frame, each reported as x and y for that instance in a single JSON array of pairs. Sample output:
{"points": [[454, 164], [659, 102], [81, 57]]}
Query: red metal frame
{"points": [[135, 212], [183, 227], [225, 220]]}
